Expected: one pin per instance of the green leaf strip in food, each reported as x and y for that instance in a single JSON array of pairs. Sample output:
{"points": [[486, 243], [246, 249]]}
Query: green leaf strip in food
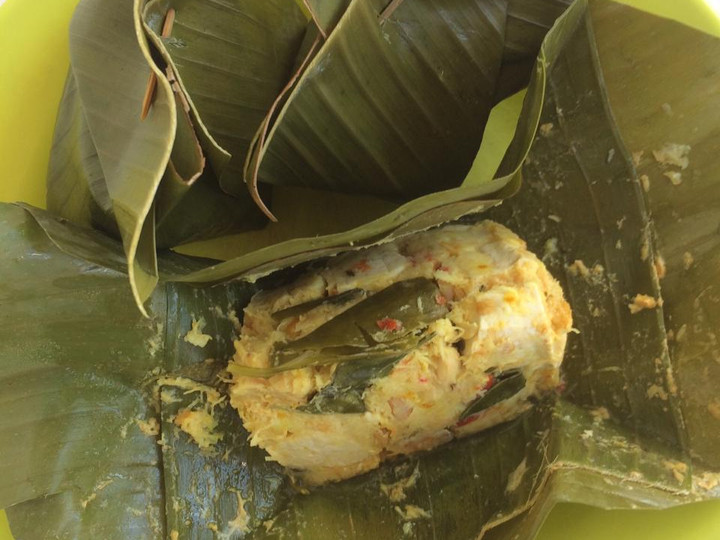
{"points": [[506, 386]]}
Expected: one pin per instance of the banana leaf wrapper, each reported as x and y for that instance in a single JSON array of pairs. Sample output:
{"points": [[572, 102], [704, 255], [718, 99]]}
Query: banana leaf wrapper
{"points": [[635, 425], [352, 107]]}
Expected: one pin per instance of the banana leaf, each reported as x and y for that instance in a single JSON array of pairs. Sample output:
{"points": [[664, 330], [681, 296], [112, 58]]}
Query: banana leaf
{"points": [[525, 28], [326, 14], [231, 59], [634, 426], [140, 167], [76, 184], [233, 81], [395, 146]]}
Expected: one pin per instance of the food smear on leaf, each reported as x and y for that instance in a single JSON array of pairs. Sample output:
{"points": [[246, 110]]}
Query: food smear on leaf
{"points": [[656, 391], [150, 427], [212, 396], [645, 182], [660, 266], [411, 512], [637, 157], [673, 154], [677, 468], [688, 260], [240, 523], [714, 408], [642, 302], [516, 476], [546, 128], [200, 425], [195, 335], [707, 481], [396, 491], [674, 176], [99, 487], [579, 268]]}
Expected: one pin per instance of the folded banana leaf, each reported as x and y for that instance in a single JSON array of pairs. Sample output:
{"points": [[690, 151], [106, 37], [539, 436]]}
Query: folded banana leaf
{"points": [[93, 390], [368, 98]]}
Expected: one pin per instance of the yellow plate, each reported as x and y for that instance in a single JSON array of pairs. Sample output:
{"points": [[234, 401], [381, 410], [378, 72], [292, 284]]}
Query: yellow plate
{"points": [[33, 64]]}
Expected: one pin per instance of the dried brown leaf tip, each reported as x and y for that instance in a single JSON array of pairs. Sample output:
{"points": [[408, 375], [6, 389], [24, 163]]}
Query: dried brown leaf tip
{"points": [[388, 11], [152, 80]]}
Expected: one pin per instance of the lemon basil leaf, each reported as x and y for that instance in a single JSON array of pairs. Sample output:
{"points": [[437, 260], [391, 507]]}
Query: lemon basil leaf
{"points": [[335, 400], [394, 312], [345, 393], [507, 385], [288, 360], [301, 309]]}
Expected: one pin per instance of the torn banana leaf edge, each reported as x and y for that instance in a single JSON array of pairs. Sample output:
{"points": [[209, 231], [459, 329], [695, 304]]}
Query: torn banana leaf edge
{"points": [[611, 439]]}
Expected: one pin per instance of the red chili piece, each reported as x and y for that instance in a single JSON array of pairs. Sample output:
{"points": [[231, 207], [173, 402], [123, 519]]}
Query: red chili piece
{"points": [[361, 266], [466, 421], [389, 325]]}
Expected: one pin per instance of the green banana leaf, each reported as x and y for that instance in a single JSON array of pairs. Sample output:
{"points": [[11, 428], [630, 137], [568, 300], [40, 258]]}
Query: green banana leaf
{"points": [[326, 14], [231, 60], [237, 80], [139, 167], [635, 425], [75, 185], [405, 100], [525, 28]]}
